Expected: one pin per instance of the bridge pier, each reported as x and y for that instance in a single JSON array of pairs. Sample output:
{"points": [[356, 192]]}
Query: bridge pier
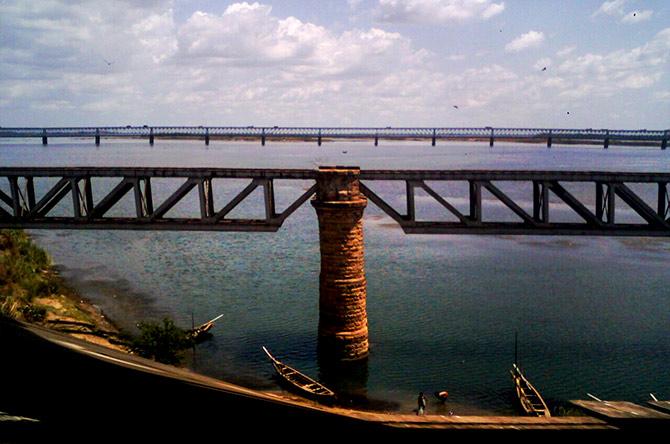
{"points": [[343, 321], [97, 137], [44, 137]]}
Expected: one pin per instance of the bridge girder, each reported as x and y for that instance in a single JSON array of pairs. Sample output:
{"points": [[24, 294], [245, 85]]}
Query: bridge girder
{"points": [[21, 207]]}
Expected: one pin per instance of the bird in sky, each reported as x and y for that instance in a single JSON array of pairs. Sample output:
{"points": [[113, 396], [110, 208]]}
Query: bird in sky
{"points": [[107, 62], [544, 69], [455, 106]]}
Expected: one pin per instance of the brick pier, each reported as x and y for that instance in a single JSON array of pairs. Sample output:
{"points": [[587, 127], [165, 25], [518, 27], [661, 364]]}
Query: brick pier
{"points": [[343, 320]]}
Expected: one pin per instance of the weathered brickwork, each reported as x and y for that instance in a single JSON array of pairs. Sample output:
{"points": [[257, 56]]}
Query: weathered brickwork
{"points": [[343, 321]]}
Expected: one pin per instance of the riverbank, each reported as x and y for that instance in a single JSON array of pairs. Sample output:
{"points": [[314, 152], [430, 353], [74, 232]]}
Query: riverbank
{"points": [[152, 396], [31, 290]]}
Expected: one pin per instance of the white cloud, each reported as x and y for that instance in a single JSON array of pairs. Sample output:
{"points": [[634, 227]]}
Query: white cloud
{"points": [[637, 16], [531, 39], [156, 33], [492, 10], [249, 65], [436, 11], [248, 36], [236, 62], [565, 51], [613, 7], [607, 74]]}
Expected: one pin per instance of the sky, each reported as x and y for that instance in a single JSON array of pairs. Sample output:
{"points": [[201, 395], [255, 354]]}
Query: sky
{"points": [[428, 63]]}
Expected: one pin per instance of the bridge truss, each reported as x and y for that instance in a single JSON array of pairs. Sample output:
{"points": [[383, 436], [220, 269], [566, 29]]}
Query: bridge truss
{"points": [[22, 207]]}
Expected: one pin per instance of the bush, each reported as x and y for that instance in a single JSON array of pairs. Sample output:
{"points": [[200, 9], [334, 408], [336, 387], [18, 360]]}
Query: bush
{"points": [[32, 313], [22, 265], [161, 342]]}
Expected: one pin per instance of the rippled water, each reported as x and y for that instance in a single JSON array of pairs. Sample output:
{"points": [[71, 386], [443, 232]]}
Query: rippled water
{"points": [[592, 313]]}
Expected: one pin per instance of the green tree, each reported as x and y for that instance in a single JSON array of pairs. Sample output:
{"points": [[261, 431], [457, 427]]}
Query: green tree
{"points": [[162, 342]]}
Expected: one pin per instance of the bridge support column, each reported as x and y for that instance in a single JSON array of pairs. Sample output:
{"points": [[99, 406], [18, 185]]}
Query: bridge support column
{"points": [[343, 320]]}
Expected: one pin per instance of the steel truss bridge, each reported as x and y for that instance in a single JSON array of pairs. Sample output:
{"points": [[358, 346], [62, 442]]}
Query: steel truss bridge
{"points": [[20, 207], [263, 133]]}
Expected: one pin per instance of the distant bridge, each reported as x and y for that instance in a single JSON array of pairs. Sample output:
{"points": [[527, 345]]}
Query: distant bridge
{"points": [[605, 137], [20, 207]]}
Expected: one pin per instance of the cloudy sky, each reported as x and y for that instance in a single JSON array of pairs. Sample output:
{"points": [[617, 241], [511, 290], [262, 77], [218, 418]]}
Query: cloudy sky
{"points": [[336, 63]]}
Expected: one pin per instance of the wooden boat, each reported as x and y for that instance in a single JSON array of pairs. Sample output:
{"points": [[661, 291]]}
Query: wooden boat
{"points": [[201, 332], [300, 382], [663, 406], [529, 398]]}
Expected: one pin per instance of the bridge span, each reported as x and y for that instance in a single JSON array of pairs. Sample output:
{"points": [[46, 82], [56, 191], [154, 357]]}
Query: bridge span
{"points": [[20, 207], [603, 136]]}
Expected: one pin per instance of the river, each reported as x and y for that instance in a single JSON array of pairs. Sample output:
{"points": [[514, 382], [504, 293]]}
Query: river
{"points": [[592, 313]]}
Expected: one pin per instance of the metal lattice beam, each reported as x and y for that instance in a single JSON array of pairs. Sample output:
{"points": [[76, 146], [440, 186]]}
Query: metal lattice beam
{"points": [[19, 207]]}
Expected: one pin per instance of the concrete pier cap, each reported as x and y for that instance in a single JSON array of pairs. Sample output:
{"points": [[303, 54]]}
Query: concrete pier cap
{"points": [[343, 320]]}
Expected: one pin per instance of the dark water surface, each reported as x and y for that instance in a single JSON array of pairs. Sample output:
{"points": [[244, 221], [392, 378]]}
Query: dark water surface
{"points": [[593, 314]]}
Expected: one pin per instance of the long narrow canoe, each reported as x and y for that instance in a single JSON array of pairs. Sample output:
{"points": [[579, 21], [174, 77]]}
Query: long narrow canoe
{"points": [[302, 383], [529, 398]]}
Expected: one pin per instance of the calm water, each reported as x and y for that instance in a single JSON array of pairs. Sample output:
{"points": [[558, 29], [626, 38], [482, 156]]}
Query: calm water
{"points": [[593, 314]]}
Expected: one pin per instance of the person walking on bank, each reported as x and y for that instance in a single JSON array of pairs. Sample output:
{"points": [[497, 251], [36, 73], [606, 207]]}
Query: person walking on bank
{"points": [[421, 404]]}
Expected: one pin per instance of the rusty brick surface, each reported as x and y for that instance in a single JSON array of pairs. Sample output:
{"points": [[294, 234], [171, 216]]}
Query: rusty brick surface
{"points": [[343, 321]]}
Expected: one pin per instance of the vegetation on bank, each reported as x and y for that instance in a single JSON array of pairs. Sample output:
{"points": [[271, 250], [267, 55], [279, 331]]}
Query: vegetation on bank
{"points": [[32, 291], [162, 342], [26, 277]]}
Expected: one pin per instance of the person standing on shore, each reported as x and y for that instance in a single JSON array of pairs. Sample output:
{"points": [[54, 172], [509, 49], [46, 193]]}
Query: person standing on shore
{"points": [[421, 401]]}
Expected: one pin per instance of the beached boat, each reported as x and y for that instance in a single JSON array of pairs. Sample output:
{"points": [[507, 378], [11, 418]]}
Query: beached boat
{"points": [[529, 398], [663, 406], [300, 382], [201, 332]]}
